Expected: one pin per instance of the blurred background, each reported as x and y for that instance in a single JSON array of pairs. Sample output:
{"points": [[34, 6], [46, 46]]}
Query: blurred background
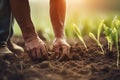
{"points": [[86, 14]]}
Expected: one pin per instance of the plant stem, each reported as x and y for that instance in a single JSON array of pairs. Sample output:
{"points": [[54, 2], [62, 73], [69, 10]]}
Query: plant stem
{"points": [[101, 48], [108, 46], [118, 56], [111, 46], [117, 46], [85, 46]]}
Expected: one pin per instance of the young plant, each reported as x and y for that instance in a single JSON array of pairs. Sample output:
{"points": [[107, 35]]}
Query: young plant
{"points": [[77, 31], [108, 31], [99, 29], [114, 22], [115, 32], [117, 25], [97, 40], [112, 36], [108, 36]]}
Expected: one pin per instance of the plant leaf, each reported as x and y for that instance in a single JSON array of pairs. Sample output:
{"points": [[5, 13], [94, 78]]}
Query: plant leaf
{"points": [[107, 30], [117, 22], [113, 22], [118, 26], [117, 46], [98, 43], [93, 37], [99, 29], [109, 39], [77, 31]]}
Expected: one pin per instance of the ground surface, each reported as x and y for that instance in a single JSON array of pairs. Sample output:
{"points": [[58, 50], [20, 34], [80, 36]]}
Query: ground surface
{"points": [[84, 65]]}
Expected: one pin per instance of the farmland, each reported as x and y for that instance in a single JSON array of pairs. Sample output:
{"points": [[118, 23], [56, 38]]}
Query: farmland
{"points": [[91, 29]]}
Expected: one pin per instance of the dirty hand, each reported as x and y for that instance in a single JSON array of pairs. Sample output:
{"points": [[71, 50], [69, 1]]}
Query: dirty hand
{"points": [[36, 49], [61, 48]]}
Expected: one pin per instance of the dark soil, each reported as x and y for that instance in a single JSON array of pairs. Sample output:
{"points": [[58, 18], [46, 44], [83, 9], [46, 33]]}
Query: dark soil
{"points": [[83, 65]]}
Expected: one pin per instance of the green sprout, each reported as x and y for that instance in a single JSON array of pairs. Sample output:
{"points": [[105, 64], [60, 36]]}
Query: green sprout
{"points": [[108, 36], [112, 35], [117, 34], [77, 31], [114, 22], [97, 40], [108, 31], [99, 30], [117, 25], [117, 46]]}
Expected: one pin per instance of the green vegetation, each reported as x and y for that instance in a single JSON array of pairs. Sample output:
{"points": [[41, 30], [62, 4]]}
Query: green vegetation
{"points": [[117, 46], [97, 40], [77, 31], [112, 34], [87, 22], [108, 36]]}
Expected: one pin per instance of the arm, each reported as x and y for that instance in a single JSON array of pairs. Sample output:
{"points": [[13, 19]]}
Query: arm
{"points": [[57, 14], [21, 11], [34, 45]]}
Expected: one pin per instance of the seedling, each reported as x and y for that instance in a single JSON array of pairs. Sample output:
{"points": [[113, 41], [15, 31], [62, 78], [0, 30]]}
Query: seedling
{"points": [[99, 30], [113, 22], [117, 34], [97, 40], [108, 36], [77, 31], [112, 36], [117, 25], [116, 43], [108, 31]]}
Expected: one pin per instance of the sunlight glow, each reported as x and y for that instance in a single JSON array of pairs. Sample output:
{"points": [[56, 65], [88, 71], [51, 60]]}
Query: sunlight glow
{"points": [[74, 2]]}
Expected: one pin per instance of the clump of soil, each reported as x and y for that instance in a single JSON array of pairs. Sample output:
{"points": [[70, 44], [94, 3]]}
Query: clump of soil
{"points": [[83, 65]]}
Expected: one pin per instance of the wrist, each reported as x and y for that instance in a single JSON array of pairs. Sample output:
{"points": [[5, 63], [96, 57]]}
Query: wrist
{"points": [[30, 37], [28, 32], [60, 36]]}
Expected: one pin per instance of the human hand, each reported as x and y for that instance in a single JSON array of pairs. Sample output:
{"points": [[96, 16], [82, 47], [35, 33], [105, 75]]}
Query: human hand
{"points": [[61, 48], [36, 49]]}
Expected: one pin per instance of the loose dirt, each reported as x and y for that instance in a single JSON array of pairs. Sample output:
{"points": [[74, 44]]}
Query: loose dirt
{"points": [[83, 65]]}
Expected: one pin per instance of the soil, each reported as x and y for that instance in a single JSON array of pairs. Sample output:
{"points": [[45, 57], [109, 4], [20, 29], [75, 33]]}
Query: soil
{"points": [[83, 65]]}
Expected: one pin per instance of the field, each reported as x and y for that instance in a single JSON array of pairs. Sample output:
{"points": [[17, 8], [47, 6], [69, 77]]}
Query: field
{"points": [[84, 64]]}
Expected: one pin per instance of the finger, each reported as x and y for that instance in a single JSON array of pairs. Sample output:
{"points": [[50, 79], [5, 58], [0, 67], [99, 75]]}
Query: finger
{"points": [[65, 53], [38, 53], [29, 51], [29, 54], [34, 55], [66, 50], [63, 57], [44, 51], [57, 52], [52, 56]]}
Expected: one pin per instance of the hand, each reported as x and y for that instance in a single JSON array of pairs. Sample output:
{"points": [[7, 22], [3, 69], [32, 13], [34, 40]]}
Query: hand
{"points": [[61, 48], [36, 49]]}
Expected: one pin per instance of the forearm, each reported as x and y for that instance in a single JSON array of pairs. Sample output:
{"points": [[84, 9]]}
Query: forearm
{"points": [[57, 13], [21, 12]]}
